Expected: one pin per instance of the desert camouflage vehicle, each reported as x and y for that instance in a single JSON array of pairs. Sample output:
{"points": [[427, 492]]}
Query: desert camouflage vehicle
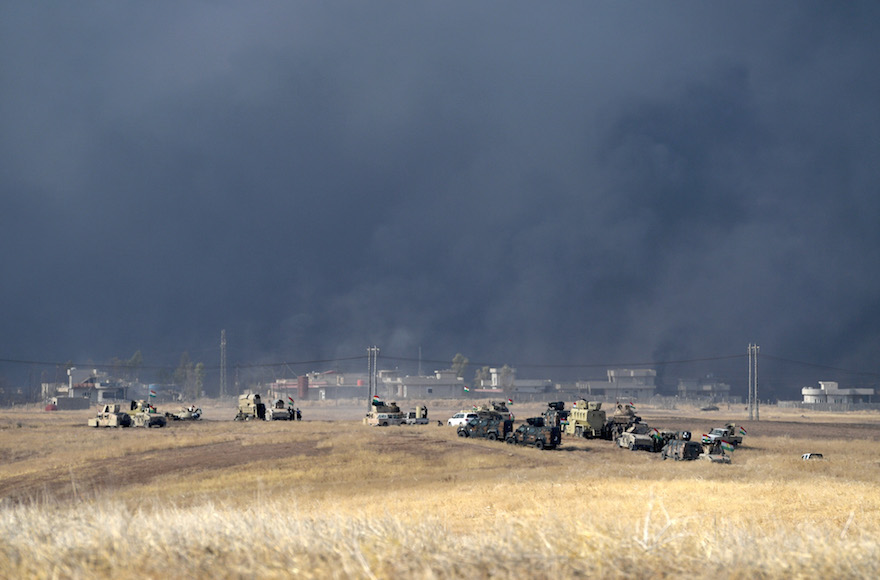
{"points": [[280, 412], [250, 407], [497, 407], [145, 415], [681, 450], [488, 427], [638, 436], [382, 415], [588, 420], [191, 413], [535, 432], [624, 416], [556, 415], [111, 416], [717, 451], [417, 416]]}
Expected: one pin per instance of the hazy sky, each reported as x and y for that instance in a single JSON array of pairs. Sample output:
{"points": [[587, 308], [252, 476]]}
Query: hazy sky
{"points": [[523, 182]]}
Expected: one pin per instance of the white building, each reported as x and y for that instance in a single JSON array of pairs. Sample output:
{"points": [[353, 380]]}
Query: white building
{"points": [[830, 392]]}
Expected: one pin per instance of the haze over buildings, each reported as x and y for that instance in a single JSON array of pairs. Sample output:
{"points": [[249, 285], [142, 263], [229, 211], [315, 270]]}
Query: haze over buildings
{"points": [[524, 183]]}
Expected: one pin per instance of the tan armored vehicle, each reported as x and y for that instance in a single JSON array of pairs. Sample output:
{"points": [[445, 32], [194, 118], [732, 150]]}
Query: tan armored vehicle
{"points": [[624, 416], [250, 407], [144, 415], [499, 408], [637, 436], [382, 415], [191, 413], [111, 416], [280, 412], [588, 420]]}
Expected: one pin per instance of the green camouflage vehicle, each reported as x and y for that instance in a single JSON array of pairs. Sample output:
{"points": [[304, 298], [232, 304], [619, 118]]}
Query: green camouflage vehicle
{"points": [[487, 427], [535, 432]]}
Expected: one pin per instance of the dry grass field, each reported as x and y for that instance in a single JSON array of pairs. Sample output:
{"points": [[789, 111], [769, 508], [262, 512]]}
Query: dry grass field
{"points": [[328, 497]]}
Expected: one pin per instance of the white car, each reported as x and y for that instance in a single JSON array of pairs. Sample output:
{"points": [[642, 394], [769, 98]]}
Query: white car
{"points": [[461, 418]]}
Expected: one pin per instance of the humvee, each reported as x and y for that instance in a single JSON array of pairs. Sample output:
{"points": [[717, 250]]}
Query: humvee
{"points": [[145, 415], [637, 436], [681, 450], [383, 415]]}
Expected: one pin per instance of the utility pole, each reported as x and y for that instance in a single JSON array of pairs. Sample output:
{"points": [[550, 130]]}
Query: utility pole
{"points": [[372, 356], [754, 408], [222, 363]]}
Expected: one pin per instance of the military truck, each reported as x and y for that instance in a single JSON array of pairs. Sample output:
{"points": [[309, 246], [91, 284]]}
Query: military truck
{"points": [[729, 433], [383, 415], [487, 427], [638, 436], [535, 432], [681, 450], [417, 416], [111, 415], [556, 414], [145, 415], [588, 420], [250, 408]]}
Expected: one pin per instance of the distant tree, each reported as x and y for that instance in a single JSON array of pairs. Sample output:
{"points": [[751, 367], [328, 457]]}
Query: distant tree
{"points": [[199, 378], [459, 363], [481, 374]]}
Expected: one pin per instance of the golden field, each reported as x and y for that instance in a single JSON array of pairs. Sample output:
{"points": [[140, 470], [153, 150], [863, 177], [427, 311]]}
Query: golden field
{"points": [[328, 497]]}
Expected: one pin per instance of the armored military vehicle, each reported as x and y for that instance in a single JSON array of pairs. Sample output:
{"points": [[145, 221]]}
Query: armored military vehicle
{"points": [[681, 450], [624, 416], [250, 407], [638, 436], [417, 416], [383, 415], [111, 415], [535, 432], [716, 451], [280, 412], [145, 415], [588, 420], [556, 415], [497, 407], [191, 413], [488, 427]]}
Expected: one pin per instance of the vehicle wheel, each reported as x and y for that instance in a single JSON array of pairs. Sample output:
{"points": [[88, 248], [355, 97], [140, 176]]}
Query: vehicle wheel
{"points": [[539, 444], [462, 433], [492, 437], [510, 440], [578, 432], [631, 446]]}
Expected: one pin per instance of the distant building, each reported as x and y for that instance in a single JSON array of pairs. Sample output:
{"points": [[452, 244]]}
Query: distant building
{"points": [[704, 388], [95, 386], [830, 392], [622, 384], [443, 384]]}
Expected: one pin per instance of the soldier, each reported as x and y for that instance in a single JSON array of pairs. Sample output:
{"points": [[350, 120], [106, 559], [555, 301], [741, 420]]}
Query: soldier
{"points": [[299, 415]]}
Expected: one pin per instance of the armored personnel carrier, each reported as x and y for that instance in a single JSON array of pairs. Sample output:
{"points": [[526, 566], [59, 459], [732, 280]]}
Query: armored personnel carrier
{"points": [[637, 436]]}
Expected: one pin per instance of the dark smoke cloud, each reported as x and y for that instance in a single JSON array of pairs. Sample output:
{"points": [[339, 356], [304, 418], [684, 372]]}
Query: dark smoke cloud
{"points": [[564, 184]]}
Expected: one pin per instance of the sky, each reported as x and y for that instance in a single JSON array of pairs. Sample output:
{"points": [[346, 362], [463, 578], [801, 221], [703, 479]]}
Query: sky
{"points": [[562, 185]]}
